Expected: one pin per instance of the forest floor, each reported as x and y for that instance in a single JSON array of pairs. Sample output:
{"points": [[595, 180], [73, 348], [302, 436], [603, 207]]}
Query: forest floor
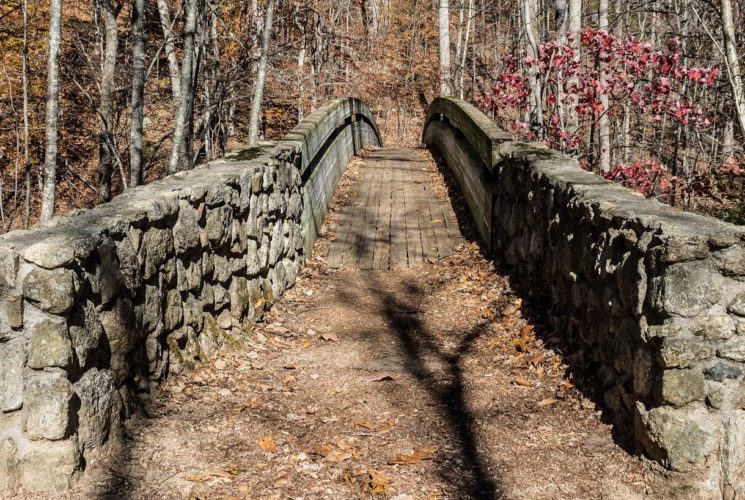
{"points": [[427, 382]]}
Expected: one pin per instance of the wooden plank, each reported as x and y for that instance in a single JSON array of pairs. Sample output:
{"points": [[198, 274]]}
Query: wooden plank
{"points": [[368, 226], [350, 258], [398, 220], [344, 241], [382, 250], [413, 239], [426, 231]]}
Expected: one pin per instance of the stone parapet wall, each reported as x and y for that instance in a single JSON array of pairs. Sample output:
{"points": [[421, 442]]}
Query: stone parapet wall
{"points": [[99, 306], [650, 300]]}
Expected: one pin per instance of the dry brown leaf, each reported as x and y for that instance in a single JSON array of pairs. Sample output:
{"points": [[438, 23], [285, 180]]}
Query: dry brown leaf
{"points": [[338, 456], [383, 378], [413, 458], [330, 337], [197, 478], [322, 449], [268, 444], [379, 481], [362, 423], [547, 402], [521, 381]]}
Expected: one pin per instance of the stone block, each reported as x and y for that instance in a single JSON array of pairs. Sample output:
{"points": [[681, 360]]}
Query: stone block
{"points": [[13, 305], [682, 352], [100, 406], [219, 225], [52, 291], [682, 437], [721, 371], [46, 406], [157, 246], [12, 360], [10, 466], [121, 333], [174, 315], [713, 327], [689, 288], [186, 229], [50, 466], [680, 387], [50, 345]]}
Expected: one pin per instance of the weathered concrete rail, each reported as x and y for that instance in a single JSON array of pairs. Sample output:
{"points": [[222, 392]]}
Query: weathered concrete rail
{"points": [[652, 298], [98, 306]]}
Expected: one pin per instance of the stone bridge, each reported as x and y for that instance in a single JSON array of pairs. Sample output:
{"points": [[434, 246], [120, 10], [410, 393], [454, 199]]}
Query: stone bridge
{"points": [[99, 306]]}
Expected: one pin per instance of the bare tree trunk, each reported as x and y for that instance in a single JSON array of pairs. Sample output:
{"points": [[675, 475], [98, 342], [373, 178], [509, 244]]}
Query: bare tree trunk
{"points": [[728, 142], [180, 157], [106, 105], [527, 11], [444, 28], [26, 161], [560, 10], [52, 117], [574, 25], [253, 124], [603, 120], [138, 92], [173, 67], [732, 63]]}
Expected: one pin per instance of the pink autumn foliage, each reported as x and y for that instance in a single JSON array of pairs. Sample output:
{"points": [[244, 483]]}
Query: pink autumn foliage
{"points": [[646, 177], [649, 81]]}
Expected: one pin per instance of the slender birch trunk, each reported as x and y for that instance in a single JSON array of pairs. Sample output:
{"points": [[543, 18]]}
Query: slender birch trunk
{"points": [[173, 66], [574, 21], [603, 120], [106, 151], [733, 63], [444, 37], [52, 111], [253, 124], [138, 92], [180, 157], [527, 11], [26, 161]]}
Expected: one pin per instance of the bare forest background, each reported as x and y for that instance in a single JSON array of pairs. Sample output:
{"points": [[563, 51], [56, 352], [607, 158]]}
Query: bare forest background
{"points": [[99, 96]]}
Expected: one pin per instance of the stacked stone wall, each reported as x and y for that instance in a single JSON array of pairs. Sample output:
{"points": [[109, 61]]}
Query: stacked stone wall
{"points": [[649, 301], [99, 306]]}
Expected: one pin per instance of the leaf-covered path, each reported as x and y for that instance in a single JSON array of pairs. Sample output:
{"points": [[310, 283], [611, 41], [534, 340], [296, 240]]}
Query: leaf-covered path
{"points": [[428, 382]]}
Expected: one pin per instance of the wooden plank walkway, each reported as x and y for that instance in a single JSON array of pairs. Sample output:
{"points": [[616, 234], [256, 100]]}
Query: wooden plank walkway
{"points": [[393, 220]]}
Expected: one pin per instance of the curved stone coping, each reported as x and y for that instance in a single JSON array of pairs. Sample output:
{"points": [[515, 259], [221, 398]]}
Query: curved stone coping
{"points": [[315, 130], [650, 299], [481, 133]]}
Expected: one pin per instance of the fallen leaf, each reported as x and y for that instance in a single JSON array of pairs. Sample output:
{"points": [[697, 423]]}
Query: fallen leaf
{"points": [[384, 378], [362, 423], [197, 478], [268, 444], [338, 456], [547, 402], [322, 449], [306, 344], [378, 481], [330, 337], [522, 382], [413, 458]]}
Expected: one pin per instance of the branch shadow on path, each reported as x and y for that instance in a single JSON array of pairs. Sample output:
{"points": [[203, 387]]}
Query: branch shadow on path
{"points": [[446, 387]]}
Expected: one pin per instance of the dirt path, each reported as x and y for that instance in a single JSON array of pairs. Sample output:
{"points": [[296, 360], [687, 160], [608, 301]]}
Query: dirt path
{"points": [[411, 383]]}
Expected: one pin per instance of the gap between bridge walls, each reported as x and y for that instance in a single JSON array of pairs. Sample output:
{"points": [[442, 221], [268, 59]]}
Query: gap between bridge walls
{"points": [[99, 306], [648, 299]]}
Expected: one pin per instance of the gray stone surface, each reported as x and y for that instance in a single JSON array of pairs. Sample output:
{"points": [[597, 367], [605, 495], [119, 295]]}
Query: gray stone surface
{"points": [[99, 407], [10, 465], [680, 387], [12, 361], [50, 345], [50, 466], [52, 291], [46, 406]]}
